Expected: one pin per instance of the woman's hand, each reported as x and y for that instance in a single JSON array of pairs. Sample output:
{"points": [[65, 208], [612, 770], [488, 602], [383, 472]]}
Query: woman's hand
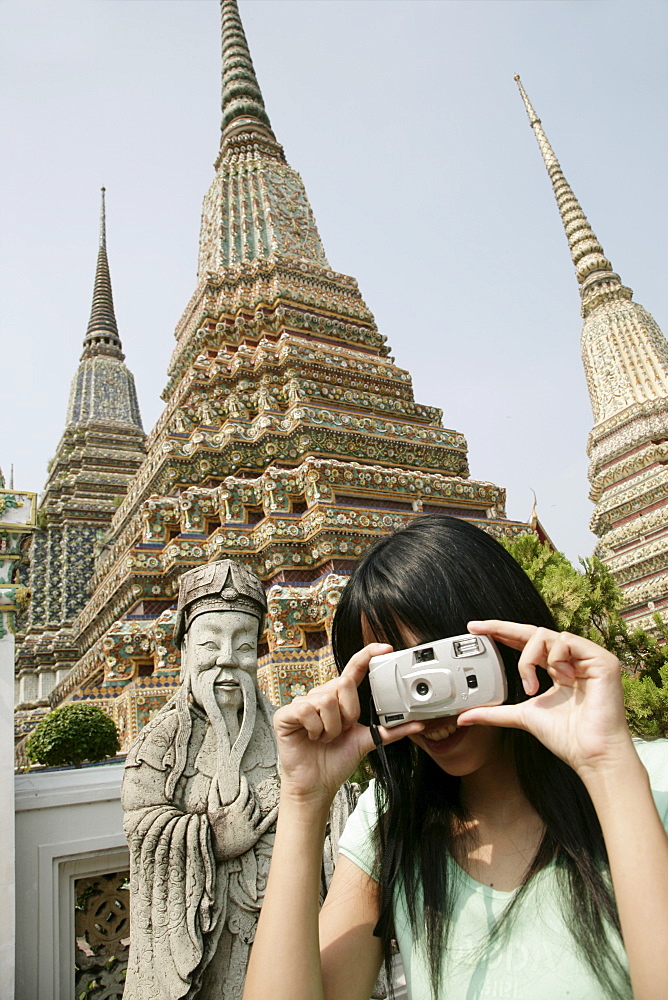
{"points": [[320, 740], [581, 718]]}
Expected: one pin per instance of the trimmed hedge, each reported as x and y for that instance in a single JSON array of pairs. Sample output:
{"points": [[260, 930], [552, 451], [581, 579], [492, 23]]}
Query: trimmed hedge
{"points": [[73, 734]]}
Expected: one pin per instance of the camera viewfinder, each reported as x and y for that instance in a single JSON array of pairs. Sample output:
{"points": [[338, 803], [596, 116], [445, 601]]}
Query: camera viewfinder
{"points": [[423, 655]]}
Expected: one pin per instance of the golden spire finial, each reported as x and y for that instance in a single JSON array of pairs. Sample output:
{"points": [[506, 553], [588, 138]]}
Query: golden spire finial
{"points": [[103, 222], [242, 100], [533, 519], [102, 332]]}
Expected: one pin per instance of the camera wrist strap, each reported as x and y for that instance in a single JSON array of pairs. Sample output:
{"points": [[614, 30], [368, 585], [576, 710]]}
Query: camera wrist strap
{"points": [[392, 853]]}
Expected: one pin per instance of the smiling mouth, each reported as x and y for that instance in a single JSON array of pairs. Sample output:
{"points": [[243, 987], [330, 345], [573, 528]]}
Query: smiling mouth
{"points": [[441, 730]]}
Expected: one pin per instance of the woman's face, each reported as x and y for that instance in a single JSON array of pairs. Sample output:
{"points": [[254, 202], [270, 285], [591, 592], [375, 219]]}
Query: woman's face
{"points": [[458, 752]]}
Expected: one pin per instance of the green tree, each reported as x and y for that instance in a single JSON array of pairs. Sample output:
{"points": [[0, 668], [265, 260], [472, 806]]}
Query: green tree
{"points": [[588, 602], [73, 734]]}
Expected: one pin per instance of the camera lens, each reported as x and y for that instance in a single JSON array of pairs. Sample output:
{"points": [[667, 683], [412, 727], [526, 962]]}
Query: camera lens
{"points": [[422, 689]]}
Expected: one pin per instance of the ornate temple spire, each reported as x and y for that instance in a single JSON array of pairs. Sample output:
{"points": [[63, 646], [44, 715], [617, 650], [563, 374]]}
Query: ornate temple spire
{"points": [[242, 102], [102, 334], [256, 208], [624, 352], [594, 271], [102, 446], [625, 358], [103, 389]]}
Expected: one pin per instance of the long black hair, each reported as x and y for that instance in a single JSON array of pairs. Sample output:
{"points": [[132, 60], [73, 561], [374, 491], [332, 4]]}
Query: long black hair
{"points": [[433, 577]]}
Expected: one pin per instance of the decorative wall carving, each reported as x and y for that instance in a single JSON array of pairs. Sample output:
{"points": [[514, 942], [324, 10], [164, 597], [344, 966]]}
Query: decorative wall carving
{"points": [[102, 930]]}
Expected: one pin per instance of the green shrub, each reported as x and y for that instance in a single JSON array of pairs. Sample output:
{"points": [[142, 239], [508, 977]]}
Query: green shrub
{"points": [[73, 734], [647, 704], [588, 602]]}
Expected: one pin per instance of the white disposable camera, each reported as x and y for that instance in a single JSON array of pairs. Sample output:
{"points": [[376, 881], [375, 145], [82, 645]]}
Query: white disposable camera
{"points": [[437, 678]]}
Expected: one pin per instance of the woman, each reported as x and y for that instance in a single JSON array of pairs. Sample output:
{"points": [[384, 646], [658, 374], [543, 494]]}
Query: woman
{"points": [[517, 845]]}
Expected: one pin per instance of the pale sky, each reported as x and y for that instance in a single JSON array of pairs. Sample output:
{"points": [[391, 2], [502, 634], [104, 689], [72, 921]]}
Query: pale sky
{"points": [[426, 182]]}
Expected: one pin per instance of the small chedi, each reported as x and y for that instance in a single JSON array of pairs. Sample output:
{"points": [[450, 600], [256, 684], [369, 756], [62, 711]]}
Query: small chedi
{"points": [[200, 796], [102, 446]]}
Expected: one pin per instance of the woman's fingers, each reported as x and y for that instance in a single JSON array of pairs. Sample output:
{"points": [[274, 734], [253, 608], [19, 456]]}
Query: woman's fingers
{"points": [[326, 703], [540, 647], [398, 732], [349, 702], [505, 716], [328, 711], [563, 653], [387, 736], [324, 712], [543, 646], [533, 655], [357, 666], [299, 714], [511, 634]]}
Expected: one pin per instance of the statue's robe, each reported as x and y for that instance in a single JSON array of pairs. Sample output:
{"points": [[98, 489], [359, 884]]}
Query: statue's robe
{"points": [[192, 916]]}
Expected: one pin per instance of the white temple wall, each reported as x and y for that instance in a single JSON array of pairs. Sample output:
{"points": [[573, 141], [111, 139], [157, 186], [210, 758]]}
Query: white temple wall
{"points": [[69, 824]]}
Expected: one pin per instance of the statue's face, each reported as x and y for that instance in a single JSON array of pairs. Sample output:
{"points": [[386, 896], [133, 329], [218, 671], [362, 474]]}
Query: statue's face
{"points": [[224, 642]]}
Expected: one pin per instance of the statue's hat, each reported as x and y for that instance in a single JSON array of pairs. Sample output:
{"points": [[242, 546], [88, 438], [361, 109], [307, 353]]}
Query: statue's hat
{"points": [[222, 585]]}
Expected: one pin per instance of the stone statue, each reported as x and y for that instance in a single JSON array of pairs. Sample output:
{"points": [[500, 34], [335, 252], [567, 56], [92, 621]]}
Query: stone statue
{"points": [[200, 795]]}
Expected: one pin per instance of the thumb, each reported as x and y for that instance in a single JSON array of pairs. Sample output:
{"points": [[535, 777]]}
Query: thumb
{"points": [[506, 716], [366, 742]]}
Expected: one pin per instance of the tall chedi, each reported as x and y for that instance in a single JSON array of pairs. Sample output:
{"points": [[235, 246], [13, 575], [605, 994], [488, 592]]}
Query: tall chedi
{"points": [[101, 448], [289, 441], [625, 358]]}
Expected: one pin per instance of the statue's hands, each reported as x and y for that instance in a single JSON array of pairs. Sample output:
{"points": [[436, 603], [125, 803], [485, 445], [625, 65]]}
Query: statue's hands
{"points": [[320, 740], [238, 826]]}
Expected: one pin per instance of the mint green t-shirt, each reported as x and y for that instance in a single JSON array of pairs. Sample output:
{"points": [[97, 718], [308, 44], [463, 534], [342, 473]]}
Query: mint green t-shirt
{"points": [[535, 958]]}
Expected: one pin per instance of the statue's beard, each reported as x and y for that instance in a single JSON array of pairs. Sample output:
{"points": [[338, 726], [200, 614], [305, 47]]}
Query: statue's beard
{"points": [[229, 755]]}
